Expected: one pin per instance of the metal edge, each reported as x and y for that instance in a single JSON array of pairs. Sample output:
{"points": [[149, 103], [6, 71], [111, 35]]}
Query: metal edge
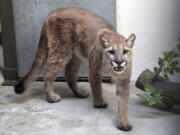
{"points": [[8, 40]]}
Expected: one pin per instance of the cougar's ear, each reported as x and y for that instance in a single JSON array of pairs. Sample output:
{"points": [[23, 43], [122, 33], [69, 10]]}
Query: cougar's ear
{"points": [[104, 41], [130, 41]]}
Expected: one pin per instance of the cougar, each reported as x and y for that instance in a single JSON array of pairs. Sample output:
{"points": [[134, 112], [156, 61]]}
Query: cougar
{"points": [[72, 35]]}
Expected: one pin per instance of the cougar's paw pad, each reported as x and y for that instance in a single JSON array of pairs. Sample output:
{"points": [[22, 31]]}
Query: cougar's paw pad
{"points": [[81, 94], [101, 106], [53, 98], [125, 127]]}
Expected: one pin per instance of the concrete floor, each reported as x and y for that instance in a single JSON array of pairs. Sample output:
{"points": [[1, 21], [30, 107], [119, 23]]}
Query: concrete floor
{"points": [[30, 114]]}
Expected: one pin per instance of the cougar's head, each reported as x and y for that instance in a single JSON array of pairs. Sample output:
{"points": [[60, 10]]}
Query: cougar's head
{"points": [[118, 51]]}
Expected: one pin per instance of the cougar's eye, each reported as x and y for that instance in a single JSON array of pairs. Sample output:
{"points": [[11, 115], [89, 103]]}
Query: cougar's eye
{"points": [[125, 51], [111, 51]]}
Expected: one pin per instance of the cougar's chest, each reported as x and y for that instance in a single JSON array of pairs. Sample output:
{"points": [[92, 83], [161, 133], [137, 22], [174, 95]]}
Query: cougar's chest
{"points": [[82, 47]]}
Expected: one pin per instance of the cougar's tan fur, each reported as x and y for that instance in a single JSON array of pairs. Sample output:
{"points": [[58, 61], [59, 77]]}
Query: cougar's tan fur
{"points": [[70, 35]]}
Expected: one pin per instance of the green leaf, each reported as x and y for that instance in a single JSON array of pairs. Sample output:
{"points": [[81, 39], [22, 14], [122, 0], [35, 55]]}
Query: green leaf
{"points": [[149, 88], [147, 98], [165, 53], [177, 70], [175, 55], [166, 70], [157, 93], [169, 56], [160, 61], [151, 102], [152, 95], [174, 63], [143, 96]]}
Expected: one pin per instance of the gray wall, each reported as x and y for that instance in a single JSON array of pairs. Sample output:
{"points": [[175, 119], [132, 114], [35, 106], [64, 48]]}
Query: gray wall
{"points": [[30, 14]]}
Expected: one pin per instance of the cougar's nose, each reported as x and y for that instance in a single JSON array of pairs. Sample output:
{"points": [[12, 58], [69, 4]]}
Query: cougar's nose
{"points": [[119, 62]]}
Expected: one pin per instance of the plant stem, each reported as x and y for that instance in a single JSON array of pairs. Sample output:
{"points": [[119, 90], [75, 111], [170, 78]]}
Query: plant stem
{"points": [[156, 76]]}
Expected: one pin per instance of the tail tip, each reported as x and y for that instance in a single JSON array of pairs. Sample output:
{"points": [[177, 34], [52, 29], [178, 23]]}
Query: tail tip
{"points": [[19, 88]]}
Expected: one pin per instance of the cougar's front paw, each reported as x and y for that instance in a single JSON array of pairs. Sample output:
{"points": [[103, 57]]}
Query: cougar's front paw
{"points": [[53, 98], [101, 104], [125, 127], [81, 94]]}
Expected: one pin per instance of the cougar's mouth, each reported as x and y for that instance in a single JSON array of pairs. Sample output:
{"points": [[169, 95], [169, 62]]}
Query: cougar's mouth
{"points": [[118, 69]]}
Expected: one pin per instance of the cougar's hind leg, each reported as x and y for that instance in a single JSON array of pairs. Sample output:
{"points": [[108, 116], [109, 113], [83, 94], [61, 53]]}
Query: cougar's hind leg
{"points": [[54, 65], [58, 56], [60, 50], [71, 73]]}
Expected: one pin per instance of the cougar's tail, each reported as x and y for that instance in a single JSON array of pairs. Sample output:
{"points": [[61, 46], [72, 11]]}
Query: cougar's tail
{"points": [[37, 65]]}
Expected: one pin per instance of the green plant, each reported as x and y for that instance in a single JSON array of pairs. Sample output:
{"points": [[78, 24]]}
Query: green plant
{"points": [[168, 65], [151, 95]]}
